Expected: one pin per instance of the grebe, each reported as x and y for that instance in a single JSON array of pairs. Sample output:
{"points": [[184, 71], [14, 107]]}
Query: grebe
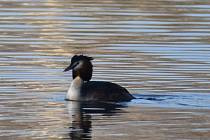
{"points": [[82, 89]]}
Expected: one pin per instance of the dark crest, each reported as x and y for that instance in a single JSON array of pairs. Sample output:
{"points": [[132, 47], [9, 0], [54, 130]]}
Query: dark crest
{"points": [[80, 57]]}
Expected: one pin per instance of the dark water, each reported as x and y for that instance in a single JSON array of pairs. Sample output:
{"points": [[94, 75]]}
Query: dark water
{"points": [[158, 49]]}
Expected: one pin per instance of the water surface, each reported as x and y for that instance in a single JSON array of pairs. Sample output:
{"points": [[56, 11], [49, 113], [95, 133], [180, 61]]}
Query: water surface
{"points": [[158, 49]]}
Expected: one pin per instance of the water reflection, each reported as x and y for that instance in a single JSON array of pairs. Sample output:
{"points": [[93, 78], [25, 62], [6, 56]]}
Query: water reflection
{"points": [[80, 114], [80, 123]]}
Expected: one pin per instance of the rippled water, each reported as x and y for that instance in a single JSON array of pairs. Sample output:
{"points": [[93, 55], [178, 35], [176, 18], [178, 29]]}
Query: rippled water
{"points": [[158, 49]]}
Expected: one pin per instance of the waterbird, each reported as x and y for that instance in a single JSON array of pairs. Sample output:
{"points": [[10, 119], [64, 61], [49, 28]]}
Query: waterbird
{"points": [[82, 89]]}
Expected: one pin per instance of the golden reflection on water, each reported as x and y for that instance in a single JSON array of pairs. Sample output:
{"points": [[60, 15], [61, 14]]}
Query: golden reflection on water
{"points": [[151, 47]]}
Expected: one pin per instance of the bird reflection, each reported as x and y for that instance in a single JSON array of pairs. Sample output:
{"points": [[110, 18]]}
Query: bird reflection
{"points": [[80, 116]]}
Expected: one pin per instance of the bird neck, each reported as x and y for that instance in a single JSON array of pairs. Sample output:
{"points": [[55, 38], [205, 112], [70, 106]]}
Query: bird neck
{"points": [[74, 92]]}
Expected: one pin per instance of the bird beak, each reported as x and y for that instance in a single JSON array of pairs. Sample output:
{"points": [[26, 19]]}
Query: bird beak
{"points": [[68, 68], [71, 66]]}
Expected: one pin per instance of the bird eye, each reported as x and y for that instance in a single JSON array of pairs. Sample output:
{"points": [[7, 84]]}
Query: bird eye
{"points": [[75, 64]]}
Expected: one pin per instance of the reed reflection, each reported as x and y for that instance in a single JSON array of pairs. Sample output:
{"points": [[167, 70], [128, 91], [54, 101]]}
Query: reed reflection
{"points": [[80, 116]]}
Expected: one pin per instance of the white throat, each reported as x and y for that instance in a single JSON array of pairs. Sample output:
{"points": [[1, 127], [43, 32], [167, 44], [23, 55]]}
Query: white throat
{"points": [[74, 91]]}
